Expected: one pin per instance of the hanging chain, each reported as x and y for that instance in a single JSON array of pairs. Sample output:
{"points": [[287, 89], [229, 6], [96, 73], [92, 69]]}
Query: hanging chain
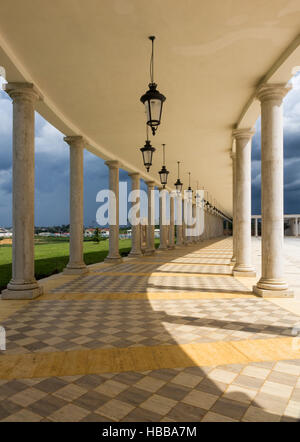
{"points": [[152, 61]]}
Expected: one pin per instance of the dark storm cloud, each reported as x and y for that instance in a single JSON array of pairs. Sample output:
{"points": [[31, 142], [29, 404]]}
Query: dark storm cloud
{"points": [[291, 124], [52, 168]]}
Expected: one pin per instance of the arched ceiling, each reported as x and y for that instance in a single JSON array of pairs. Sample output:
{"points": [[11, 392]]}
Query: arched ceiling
{"points": [[90, 60]]}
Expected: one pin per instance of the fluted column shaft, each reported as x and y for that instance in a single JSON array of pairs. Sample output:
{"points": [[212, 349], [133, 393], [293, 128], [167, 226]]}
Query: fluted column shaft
{"points": [[113, 252], [23, 284], [243, 266], [272, 282]]}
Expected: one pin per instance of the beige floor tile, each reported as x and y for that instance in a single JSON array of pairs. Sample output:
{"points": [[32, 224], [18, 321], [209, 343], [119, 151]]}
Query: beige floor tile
{"points": [[215, 417], [200, 399], [285, 367], [70, 392], [276, 389], [159, 404], [255, 414], [149, 383], [111, 388], [239, 394], [293, 409], [27, 397], [188, 380], [115, 409], [273, 404], [255, 372], [222, 375], [69, 413], [23, 416]]}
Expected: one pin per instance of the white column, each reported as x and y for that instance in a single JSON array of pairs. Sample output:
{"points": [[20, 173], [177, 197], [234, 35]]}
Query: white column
{"points": [[135, 229], [179, 238], [172, 221], [163, 218], [256, 227], [113, 252], [243, 265], [272, 282], [233, 157], [76, 264], [150, 249], [23, 284], [294, 226]]}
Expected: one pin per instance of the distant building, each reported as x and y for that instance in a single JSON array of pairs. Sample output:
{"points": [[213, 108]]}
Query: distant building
{"points": [[5, 233]]}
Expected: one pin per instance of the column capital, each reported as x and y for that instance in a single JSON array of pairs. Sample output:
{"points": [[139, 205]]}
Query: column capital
{"points": [[113, 164], [74, 140], [134, 175], [150, 183], [271, 91], [23, 91], [245, 133]]}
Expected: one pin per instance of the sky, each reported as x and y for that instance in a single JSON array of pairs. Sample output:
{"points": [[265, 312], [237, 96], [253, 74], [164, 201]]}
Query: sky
{"points": [[52, 168]]}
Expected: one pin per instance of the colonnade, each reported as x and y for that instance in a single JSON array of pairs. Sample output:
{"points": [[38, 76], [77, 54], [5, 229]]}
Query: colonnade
{"points": [[185, 226], [272, 282]]}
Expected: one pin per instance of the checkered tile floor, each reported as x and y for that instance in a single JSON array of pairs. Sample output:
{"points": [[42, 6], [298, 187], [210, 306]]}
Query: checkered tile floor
{"points": [[255, 392], [73, 325], [141, 284], [166, 268]]}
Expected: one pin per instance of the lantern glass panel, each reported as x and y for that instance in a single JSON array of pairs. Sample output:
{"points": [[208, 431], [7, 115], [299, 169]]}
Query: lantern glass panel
{"points": [[147, 157], [164, 177], [153, 111]]}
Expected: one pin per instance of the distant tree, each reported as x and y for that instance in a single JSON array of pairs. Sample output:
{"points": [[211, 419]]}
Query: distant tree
{"points": [[96, 236]]}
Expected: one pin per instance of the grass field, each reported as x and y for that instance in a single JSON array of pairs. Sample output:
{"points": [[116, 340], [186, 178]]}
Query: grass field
{"points": [[52, 255]]}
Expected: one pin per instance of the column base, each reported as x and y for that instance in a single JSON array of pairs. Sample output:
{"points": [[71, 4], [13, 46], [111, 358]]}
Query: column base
{"points": [[135, 255], [80, 270], [150, 252], [22, 291], [117, 260], [264, 293], [243, 270], [244, 274]]}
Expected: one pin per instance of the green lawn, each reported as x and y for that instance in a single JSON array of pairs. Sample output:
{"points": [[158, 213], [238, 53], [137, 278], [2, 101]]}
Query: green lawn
{"points": [[52, 255]]}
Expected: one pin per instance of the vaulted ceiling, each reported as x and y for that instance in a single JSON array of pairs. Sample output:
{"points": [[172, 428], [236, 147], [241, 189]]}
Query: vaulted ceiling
{"points": [[90, 60]]}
